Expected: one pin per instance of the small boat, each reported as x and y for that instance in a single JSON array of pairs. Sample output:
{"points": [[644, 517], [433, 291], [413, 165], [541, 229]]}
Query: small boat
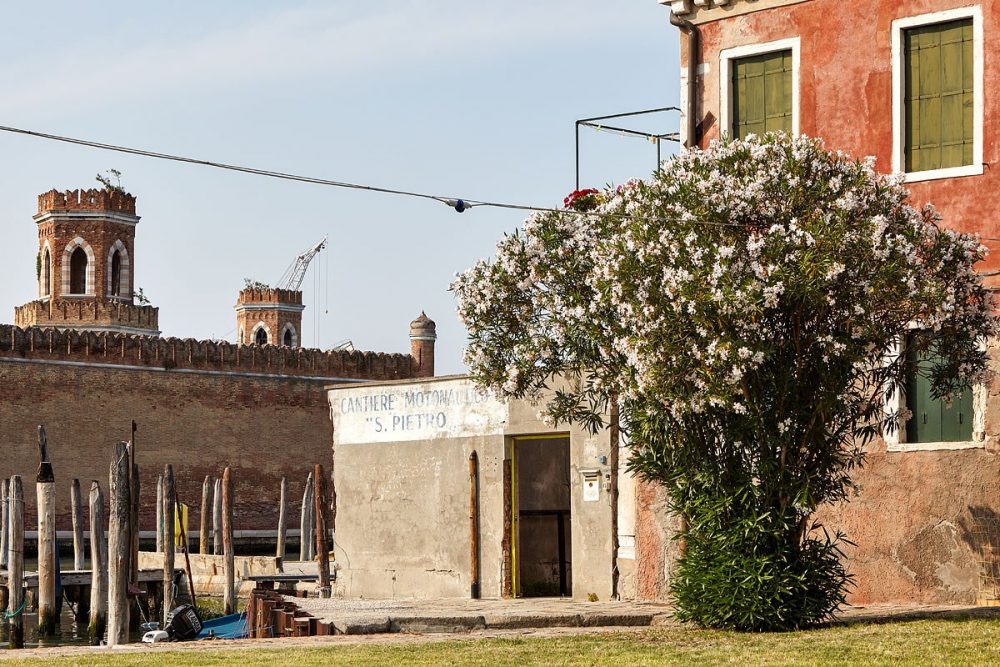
{"points": [[233, 626]]}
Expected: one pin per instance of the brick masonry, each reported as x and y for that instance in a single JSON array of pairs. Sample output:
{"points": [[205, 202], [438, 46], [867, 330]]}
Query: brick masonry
{"points": [[277, 310], [199, 406]]}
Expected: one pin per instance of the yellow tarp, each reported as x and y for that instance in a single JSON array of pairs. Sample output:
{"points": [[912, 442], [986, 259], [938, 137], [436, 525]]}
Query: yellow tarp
{"points": [[180, 518]]}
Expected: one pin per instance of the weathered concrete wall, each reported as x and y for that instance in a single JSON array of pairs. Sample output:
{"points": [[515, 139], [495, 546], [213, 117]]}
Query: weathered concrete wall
{"points": [[402, 480], [403, 491]]}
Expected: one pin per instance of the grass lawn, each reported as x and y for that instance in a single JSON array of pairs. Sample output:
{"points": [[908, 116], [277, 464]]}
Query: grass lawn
{"points": [[939, 642]]}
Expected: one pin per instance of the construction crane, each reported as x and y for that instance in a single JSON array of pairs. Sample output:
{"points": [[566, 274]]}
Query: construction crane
{"points": [[293, 276]]}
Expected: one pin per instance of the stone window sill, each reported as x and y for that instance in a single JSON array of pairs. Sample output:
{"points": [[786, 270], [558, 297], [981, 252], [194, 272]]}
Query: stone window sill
{"points": [[951, 172], [934, 446]]}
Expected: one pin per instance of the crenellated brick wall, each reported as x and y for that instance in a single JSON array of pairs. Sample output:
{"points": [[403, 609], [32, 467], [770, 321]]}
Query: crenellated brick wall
{"points": [[70, 312], [271, 295], [159, 353], [86, 200], [200, 406]]}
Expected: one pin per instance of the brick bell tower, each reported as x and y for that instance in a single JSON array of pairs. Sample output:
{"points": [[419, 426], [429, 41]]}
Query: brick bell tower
{"points": [[269, 316], [85, 265]]}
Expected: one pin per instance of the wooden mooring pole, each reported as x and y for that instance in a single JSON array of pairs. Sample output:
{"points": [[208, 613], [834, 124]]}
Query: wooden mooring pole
{"points": [[229, 594], [119, 543], [322, 551], [98, 567], [79, 559], [15, 565], [139, 609], [306, 523], [48, 614], [169, 505], [4, 522], [159, 514], [206, 492], [282, 508], [217, 518], [5, 528]]}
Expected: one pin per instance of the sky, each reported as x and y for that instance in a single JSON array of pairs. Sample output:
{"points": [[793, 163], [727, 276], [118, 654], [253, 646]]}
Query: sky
{"points": [[449, 97]]}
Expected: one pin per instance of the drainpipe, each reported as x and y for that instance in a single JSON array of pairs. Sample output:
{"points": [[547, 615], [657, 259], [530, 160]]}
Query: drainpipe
{"points": [[693, 35]]}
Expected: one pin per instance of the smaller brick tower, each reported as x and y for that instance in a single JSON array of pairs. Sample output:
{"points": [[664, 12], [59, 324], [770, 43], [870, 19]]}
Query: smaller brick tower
{"points": [[423, 333], [269, 317], [85, 265]]}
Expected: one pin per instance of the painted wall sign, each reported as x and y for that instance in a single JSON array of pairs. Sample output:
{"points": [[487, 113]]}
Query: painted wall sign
{"points": [[418, 411]]}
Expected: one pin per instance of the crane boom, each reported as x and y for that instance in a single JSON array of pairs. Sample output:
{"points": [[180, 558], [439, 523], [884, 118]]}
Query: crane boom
{"points": [[296, 272]]}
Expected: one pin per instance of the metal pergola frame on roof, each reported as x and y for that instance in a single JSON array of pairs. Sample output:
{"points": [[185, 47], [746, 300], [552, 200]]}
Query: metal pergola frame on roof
{"points": [[655, 138]]}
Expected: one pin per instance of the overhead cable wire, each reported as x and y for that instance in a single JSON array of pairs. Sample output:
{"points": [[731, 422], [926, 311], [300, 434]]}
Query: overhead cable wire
{"points": [[460, 204]]}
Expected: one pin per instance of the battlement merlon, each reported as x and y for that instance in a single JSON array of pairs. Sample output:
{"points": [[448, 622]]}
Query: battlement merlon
{"points": [[75, 202], [89, 314], [166, 354], [270, 297]]}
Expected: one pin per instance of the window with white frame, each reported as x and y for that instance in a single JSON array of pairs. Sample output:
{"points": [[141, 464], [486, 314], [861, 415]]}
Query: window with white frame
{"points": [[938, 94], [760, 88], [928, 423]]}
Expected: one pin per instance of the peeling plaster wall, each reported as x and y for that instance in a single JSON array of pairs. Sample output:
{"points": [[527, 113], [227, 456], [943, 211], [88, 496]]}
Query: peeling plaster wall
{"points": [[927, 523], [921, 520], [846, 90]]}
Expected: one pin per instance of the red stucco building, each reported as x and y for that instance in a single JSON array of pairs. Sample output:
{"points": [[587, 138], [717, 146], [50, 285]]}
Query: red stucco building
{"points": [[916, 84]]}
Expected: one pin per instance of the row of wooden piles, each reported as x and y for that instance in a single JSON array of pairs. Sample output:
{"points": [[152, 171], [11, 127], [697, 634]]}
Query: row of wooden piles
{"points": [[115, 605], [271, 614]]}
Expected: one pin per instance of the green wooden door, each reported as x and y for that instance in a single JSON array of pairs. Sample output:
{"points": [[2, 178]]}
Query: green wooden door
{"points": [[939, 97]]}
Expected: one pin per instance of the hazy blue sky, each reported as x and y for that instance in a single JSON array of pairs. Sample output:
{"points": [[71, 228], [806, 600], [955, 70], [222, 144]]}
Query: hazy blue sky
{"points": [[458, 98]]}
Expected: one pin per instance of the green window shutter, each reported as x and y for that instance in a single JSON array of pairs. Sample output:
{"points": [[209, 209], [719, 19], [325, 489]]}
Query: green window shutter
{"points": [[762, 94], [925, 423], [933, 420], [956, 421], [939, 96]]}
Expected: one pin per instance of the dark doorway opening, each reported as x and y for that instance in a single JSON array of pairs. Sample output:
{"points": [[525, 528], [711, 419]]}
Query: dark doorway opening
{"points": [[260, 338], [542, 549]]}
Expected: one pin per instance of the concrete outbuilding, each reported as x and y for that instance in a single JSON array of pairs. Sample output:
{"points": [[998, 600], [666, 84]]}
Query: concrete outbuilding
{"points": [[443, 491]]}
